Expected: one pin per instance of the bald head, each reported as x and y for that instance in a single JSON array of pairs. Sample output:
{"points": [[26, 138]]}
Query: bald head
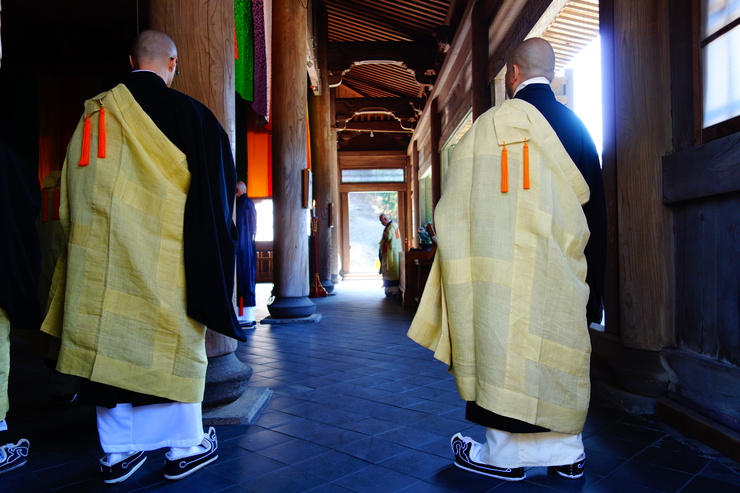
{"points": [[154, 50], [533, 58], [241, 188]]}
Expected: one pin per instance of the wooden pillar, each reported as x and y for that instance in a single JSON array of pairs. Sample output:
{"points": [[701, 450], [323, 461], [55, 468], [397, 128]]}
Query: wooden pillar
{"points": [[204, 35], [643, 136], [323, 154], [416, 221], [289, 153], [436, 134], [481, 95], [637, 135]]}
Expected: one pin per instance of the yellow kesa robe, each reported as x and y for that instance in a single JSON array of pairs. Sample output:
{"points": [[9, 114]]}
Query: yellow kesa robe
{"points": [[505, 303], [118, 298], [390, 247]]}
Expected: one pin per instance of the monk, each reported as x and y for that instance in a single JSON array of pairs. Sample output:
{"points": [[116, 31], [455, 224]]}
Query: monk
{"points": [[517, 277], [146, 205], [390, 247]]}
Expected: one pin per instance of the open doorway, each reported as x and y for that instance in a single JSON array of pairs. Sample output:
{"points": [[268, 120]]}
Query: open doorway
{"points": [[365, 229]]}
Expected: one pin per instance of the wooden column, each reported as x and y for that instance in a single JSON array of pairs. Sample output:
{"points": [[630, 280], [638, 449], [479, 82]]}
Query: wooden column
{"points": [[289, 153], [323, 155], [416, 222], [204, 35], [643, 136], [481, 96], [435, 125]]}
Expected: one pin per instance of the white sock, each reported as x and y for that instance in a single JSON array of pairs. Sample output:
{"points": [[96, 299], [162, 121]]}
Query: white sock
{"points": [[117, 457], [178, 452]]}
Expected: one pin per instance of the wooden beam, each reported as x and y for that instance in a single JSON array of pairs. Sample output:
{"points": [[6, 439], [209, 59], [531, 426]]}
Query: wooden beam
{"points": [[718, 173]]}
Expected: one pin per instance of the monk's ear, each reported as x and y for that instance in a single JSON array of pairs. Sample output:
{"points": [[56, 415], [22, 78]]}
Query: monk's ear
{"points": [[131, 61]]}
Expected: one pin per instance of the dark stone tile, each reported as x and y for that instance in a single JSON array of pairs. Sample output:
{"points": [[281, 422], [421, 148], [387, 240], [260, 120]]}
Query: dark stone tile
{"points": [[632, 433], [672, 460], [612, 446], [276, 418], [400, 400], [424, 487], [658, 478], [455, 479], [433, 407], [439, 448], [245, 467], [725, 470], [417, 464], [284, 480], [330, 488], [372, 449], [371, 426], [261, 439], [376, 479], [602, 464], [550, 479], [295, 450], [409, 437], [321, 433], [332, 465], [324, 414], [439, 426], [705, 485]]}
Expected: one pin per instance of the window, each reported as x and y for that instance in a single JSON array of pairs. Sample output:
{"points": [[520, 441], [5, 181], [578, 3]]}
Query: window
{"points": [[384, 175], [720, 50]]}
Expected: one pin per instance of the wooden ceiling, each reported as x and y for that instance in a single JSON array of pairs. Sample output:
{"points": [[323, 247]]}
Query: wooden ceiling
{"points": [[383, 49]]}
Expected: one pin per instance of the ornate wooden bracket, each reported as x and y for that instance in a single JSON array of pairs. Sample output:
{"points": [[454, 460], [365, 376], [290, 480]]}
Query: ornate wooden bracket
{"points": [[419, 56]]}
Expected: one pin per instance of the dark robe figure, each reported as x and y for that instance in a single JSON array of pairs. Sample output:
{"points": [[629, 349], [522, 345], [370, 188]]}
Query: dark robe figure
{"points": [[210, 233], [246, 251], [20, 254]]}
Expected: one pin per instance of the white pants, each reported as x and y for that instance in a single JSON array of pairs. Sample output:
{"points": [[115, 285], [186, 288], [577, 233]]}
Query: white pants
{"points": [[126, 428], [503, 449], [248, 315]]}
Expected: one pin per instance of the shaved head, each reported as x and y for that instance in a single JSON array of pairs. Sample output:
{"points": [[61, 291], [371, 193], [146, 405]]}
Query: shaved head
{"points": [[241, 188], [533, 58], [155, 51], [152, 46]]}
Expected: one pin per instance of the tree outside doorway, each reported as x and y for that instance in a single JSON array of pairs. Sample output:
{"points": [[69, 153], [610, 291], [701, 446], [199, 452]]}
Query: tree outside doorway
{"points": [[365, 229]]}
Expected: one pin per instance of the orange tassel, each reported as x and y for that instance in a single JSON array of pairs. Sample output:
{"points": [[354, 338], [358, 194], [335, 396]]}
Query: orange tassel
{"points": [[526, 165], [55, 216], [504, 169], [102, 144], [85, 153]]}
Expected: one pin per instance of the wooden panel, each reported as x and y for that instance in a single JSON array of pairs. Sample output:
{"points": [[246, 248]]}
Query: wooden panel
{"points": [[682, 76], [704, 170], [372, 187], [707, 271], [371, 159]]}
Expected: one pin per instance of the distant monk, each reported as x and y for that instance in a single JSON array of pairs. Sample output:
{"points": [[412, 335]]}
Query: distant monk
{"points": [[246, 255], [390, 247]]}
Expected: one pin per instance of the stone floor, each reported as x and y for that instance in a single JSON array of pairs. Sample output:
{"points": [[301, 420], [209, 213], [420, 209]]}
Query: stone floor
{"points": [[356, 406]]}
